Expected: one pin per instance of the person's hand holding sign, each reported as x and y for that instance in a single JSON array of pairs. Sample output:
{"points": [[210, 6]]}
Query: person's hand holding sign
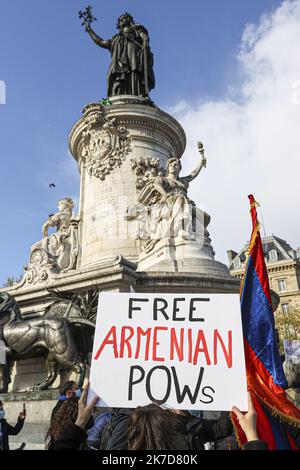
{"points": [[84, 410], [247, 421]]}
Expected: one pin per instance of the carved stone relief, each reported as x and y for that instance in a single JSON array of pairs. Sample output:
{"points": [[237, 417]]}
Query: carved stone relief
{"points": [[105, 144], [164, 209], [56, 252]]}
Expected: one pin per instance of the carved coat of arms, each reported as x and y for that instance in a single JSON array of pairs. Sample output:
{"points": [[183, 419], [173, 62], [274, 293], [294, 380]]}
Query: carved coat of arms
{"points": [[105, 143]]}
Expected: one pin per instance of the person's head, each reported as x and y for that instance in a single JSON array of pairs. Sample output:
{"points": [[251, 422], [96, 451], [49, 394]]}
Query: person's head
{"points": [[151, 428], [292, 373], [173, 166], [68, 389], [124, 20], [65, 204], [2, 412], [65, 416]]}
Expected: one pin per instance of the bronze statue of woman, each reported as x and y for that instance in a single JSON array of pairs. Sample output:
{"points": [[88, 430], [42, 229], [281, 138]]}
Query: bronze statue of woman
{"points": [[131, 68]]}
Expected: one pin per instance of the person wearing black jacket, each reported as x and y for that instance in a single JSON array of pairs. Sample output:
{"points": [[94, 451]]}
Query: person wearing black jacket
{"points": [[7, 430], [75, 434]]}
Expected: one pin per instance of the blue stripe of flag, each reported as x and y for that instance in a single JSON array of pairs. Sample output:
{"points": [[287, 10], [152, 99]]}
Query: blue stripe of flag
{"points": [[259, 326], [279, 432]]}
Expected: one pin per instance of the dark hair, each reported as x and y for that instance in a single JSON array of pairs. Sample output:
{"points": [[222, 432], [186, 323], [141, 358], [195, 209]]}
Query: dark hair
{"points": [[1, 403], [151, 428], [66, 386], [66, 415]]}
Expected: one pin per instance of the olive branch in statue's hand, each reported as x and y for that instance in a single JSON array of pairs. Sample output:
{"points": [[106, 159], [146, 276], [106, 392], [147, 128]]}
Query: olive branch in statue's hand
{"points": [[87, 17]]}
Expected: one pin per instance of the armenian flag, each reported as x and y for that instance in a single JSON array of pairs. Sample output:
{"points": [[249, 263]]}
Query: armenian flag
{"points": [[277, 417]]}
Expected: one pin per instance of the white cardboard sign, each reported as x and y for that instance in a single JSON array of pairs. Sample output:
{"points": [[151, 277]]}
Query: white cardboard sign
{"points": [[183, 351]]}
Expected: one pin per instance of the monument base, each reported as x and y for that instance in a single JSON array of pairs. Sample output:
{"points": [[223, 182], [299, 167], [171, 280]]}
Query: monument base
{"points": [[179, 255], [189, 272], [26, 373]]}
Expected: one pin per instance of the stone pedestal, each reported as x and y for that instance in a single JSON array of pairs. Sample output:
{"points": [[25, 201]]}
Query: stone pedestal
{"points": [[194, 255], [105, 142], [108, 185], [185, 256], [28, 372]]}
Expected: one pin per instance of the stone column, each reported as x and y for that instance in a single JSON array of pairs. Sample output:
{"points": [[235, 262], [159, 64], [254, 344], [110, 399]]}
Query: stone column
{"points": [[104, 142]]}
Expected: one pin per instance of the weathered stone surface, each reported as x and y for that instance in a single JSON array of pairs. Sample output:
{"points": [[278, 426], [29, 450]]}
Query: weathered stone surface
{"points": [[56, 252], [37, 395], [33, 434], [28, 372], [105, 230], [39, 405]]}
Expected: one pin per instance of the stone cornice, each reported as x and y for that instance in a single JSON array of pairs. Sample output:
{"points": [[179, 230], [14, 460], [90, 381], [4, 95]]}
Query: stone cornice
{"points": [[36, 395], [290, 267], [133, 116], [284, 266], [284, 294], [120, 273], [184, 282], [110, 270]]}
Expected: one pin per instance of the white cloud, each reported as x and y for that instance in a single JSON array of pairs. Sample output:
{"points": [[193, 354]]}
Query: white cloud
{"points": [[252, 142], [2, 92]]}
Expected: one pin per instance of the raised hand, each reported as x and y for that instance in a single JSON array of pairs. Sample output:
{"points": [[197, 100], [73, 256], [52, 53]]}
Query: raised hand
{"points": [[22, 415], [84, 410], [201, 151], [247, 421]]}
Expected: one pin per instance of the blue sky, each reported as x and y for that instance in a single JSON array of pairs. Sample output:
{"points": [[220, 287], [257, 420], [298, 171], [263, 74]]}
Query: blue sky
{"points": [[52, 69]]}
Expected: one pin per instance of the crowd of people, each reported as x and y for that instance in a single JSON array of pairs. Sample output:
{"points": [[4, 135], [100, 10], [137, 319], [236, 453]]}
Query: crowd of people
{"points": [[78, 425]]}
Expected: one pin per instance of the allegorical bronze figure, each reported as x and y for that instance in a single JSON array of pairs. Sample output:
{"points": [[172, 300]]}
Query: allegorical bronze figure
{"points": [[131, 68]]}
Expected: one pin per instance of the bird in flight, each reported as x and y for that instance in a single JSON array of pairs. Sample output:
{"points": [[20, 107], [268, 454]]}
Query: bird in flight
{"points": [[51, 185]]}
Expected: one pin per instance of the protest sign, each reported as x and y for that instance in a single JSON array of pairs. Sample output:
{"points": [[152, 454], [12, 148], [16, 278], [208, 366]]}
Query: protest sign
{"points": [[184, 351], [292, 350]]}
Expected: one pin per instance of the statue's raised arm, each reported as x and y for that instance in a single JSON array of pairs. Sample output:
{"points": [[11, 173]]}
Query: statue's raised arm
{"points": [[88, 19], [202, 164], [105, 43], [52, 221]]}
